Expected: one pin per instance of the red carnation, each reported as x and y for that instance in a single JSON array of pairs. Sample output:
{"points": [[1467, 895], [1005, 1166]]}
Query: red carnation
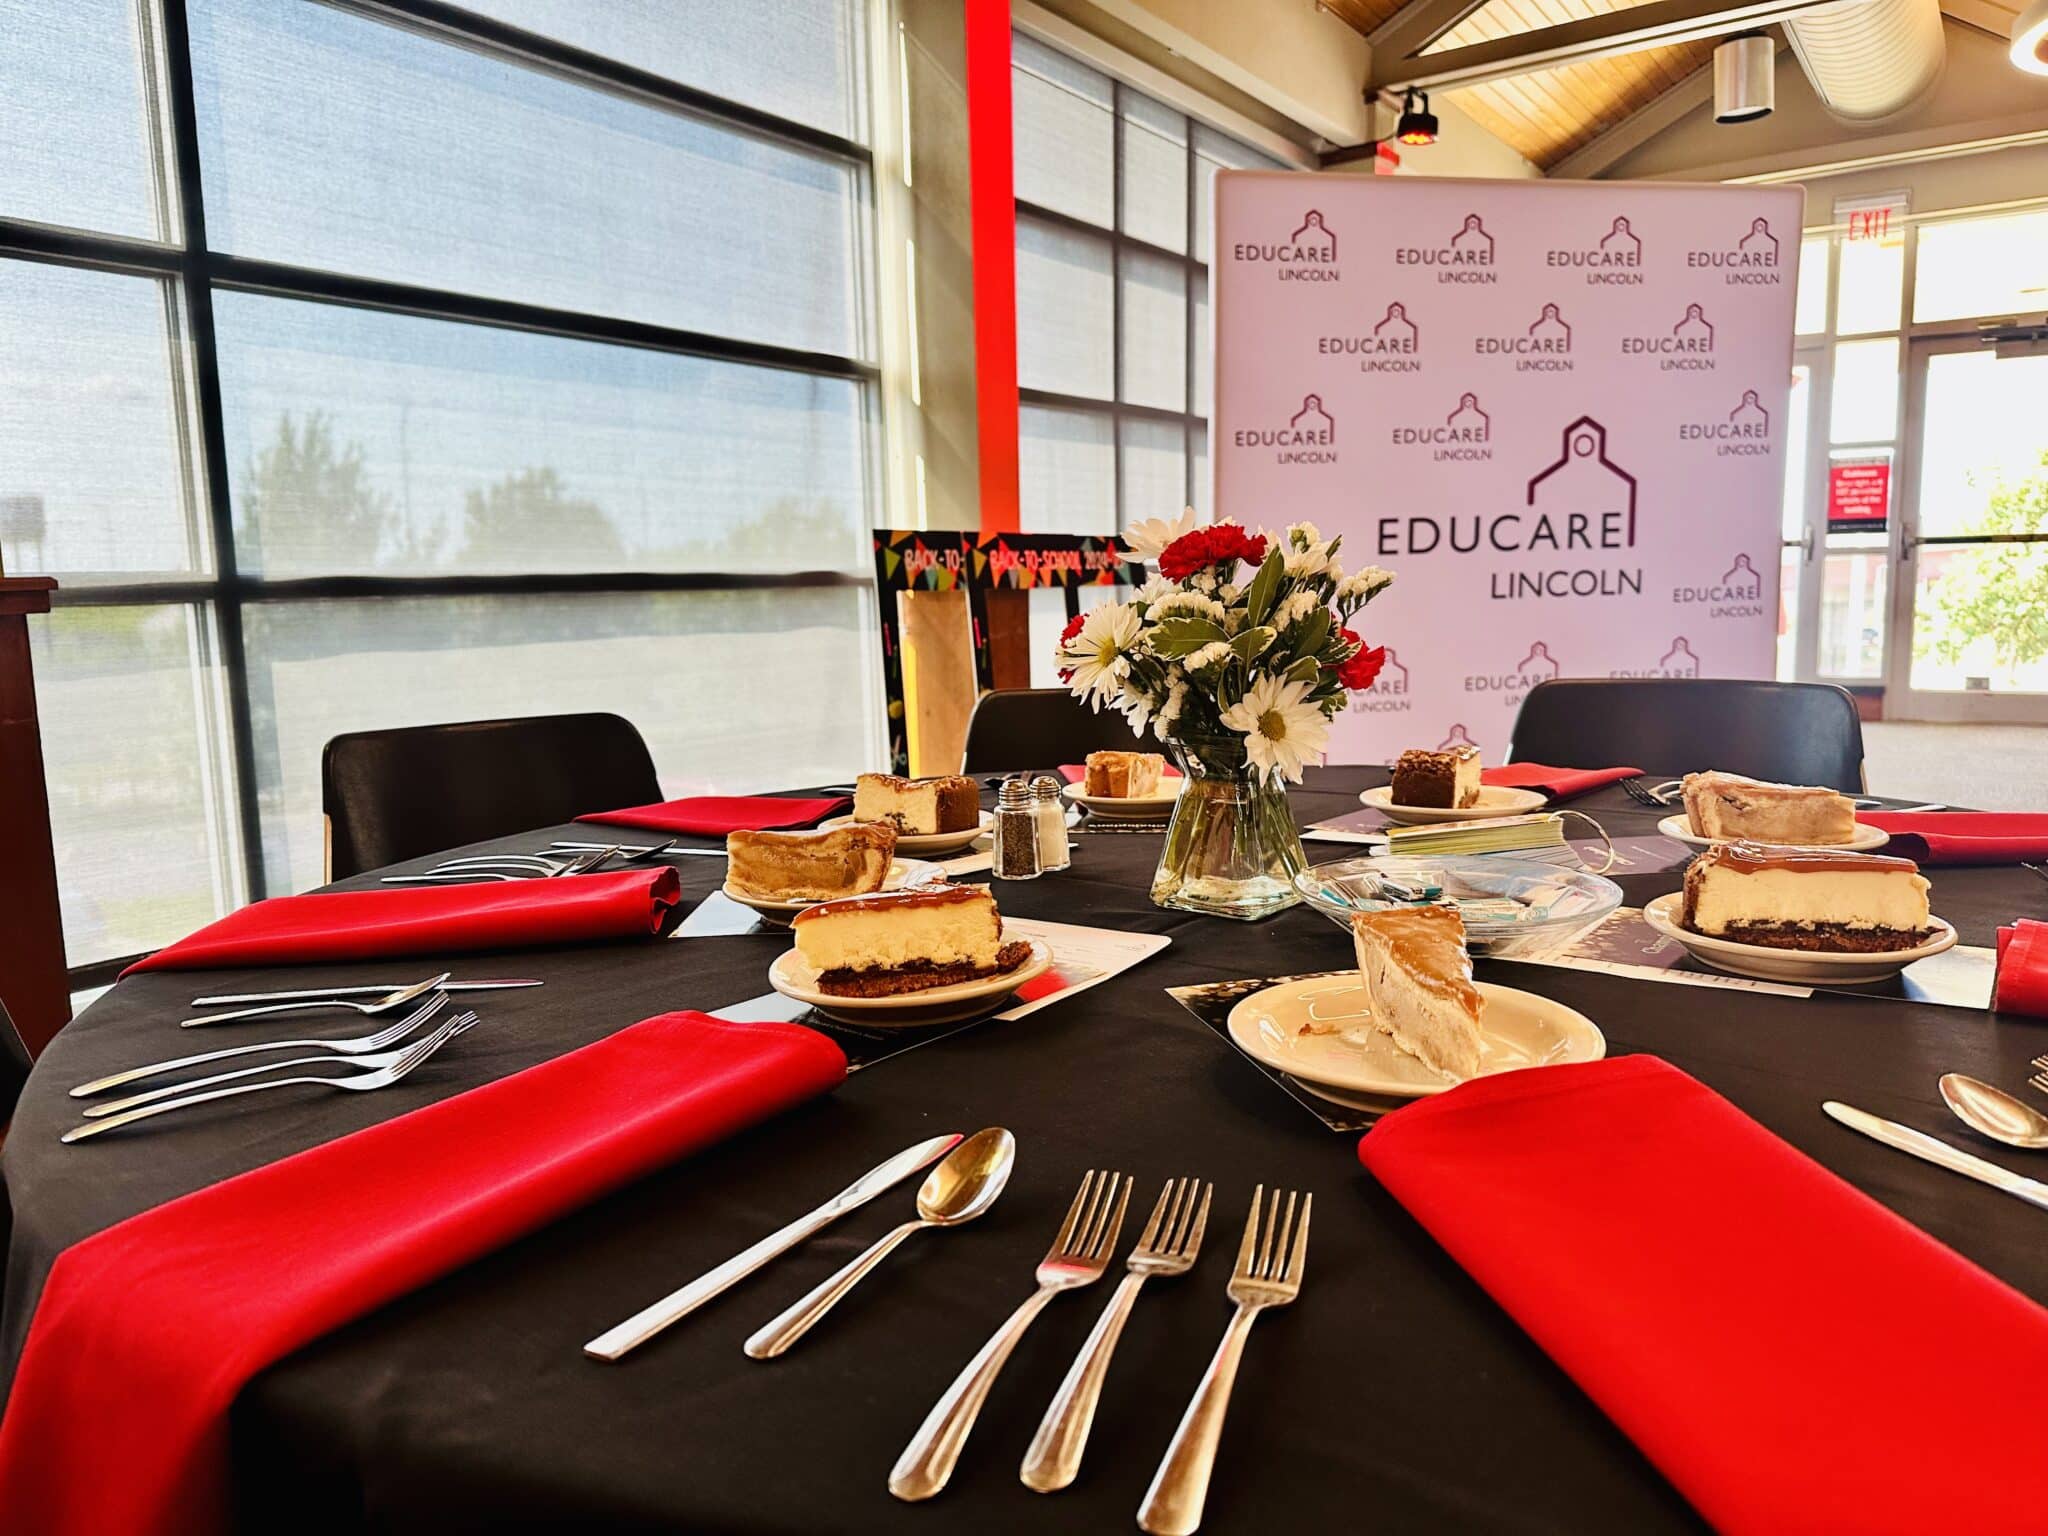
{"points": [[1073, 628], [1197, 551], [1364, 664]]}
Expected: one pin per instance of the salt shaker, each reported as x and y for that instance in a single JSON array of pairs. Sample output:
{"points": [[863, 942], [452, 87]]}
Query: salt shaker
{"points": [[1054, 850], [1016, 831]]}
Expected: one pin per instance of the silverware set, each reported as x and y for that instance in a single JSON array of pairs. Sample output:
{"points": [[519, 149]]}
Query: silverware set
{"points": [[560, 860]]}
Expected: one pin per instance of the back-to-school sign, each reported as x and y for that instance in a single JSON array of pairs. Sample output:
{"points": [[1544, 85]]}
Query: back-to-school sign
{"points": [[1556, 410]]}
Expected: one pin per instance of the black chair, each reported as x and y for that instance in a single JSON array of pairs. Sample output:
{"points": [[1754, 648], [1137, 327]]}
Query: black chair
{"points": [[1019, 728], [13, 1066], [397, 794], [1794, 733]]}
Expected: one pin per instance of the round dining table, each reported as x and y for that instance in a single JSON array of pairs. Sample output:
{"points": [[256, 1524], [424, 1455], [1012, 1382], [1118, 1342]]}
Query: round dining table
{"points": [[1393, 1395]]}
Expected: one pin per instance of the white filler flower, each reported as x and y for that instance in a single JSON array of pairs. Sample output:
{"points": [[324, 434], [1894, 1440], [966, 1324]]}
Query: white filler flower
{"points": [[1281, 732]]}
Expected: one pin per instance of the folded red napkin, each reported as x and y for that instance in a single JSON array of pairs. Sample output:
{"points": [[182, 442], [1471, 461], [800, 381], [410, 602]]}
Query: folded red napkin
{"points": [[428, 919], [1074, 773], [1792, 1355], [1558, 783], [1962, 837], [2021, 985], [145, 1332], [716, 815]]}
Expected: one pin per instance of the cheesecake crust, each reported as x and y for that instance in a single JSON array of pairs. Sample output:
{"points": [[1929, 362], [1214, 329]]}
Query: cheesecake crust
{"points": [[922, 977], [1829, 938]]}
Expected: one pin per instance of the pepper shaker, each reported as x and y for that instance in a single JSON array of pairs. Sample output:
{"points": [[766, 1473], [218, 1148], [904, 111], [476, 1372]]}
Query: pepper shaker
{"points": [[1016, 831], [1055, 852]]}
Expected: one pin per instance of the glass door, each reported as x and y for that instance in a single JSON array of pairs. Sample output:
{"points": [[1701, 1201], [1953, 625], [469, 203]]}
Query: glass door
{"points": [[1970, 634]]}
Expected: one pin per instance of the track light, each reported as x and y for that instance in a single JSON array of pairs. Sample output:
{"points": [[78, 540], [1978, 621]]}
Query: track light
{"points": [[2030, 39], [1418, 124], [1744, 78]]}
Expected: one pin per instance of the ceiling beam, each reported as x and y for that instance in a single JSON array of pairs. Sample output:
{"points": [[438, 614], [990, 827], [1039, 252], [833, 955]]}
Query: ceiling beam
{"points": [[1594, 157], [1630, 30], [1418, 24]]}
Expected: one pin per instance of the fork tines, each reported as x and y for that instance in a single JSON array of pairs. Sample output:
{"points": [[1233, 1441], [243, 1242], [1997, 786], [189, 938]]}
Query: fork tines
{"points": [[1177, 1222], [1095, 1217], [1277, 1258], [2039, 1081], [1643, 794], [2040, 1061]]}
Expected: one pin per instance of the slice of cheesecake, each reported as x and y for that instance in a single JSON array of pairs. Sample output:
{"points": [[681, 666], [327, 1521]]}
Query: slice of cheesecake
{"points": [[1418, 984], [1123, 775], [918, 807], [810, 866], [1446, 780], [879, 946], [1806, 898], [1728, 807]]}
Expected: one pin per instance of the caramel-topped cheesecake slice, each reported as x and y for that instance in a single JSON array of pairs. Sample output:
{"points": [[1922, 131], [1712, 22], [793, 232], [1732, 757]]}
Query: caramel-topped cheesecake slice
{"points": [[1727, 807], [1806, 898], [878, 946], [1418, 984], [1123, 775], [917, 807], [810, 866], [1446, 780]]}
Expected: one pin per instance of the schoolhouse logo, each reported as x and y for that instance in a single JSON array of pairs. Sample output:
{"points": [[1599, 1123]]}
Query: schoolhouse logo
{"points": [[1544, 346], [1744, 432], [1393, 345], [1512, 684], [1615, 260], [1467, 257], [1677, 661], [1459, 737], [1388, 694], [1688, 347], [1310, 436], [1309, 255], [1737, 594], [1751, 261], [1463, 436]]}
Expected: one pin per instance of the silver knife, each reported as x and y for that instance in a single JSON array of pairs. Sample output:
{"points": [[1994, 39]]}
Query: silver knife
{"points": [[615, 1343], [231, 998], [1905, 1139]]}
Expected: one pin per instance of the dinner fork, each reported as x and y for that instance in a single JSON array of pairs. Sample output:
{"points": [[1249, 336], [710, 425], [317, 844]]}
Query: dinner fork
{"points": [[1268, 1274], [2036, 869], [361, 1082], [1168, 1246], [2039, 1079], [527, 866], [1077, 1257], [384, 1004], [1642, 794], [391, 1034]]}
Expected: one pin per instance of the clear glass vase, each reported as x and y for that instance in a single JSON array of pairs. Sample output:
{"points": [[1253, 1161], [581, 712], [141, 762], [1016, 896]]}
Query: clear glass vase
{"points": [[1231, 849]]}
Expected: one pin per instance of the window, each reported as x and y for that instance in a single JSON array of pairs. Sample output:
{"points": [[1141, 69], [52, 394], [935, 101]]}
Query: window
{"points": [[1113, 198], [512, 359]]}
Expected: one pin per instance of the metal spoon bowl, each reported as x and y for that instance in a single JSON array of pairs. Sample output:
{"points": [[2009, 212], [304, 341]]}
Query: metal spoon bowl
{"points": [[961, 1188], [1993, 1112]]}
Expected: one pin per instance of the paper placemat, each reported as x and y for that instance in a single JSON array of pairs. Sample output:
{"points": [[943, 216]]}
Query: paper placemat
{"points": [[1212, 1001]]}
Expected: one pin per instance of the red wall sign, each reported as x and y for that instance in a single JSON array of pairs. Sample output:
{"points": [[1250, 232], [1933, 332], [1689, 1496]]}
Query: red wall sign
{"points": [[1859, 495]]}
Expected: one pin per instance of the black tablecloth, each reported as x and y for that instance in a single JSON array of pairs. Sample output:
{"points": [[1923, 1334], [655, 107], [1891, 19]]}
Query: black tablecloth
{"points": [[1393, 1394]]}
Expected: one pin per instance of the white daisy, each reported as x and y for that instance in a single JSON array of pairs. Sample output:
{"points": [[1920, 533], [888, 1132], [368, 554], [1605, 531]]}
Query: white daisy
{"points": [[1146, 539], [1097, 654], [1281, 732]]}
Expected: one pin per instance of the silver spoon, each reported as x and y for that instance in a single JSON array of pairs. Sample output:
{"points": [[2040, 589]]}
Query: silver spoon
{"points": [[959, 1189], [1994, 1112]]}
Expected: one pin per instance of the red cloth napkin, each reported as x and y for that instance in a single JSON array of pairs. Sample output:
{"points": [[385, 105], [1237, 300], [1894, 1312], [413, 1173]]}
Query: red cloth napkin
{"points": [[716, 815], [146, 1331], [1075, 773], [1558, 783], [1962, 837], [428, 919], [1793, 1356], [2022, 979]]}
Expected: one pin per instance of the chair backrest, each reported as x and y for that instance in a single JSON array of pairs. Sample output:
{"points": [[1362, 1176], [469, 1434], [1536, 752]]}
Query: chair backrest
{"points": [[13, 1068], [1794, 733], [1031, 728], [397, 794]]}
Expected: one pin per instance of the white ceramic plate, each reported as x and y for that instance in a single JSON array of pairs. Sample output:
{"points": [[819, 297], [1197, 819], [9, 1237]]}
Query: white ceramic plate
{"points": [[1518, 1029], [920, 844], [902, 873], [1153, 807], [1808, 967], [1679, 828], [1492, 801], [793, 977]]}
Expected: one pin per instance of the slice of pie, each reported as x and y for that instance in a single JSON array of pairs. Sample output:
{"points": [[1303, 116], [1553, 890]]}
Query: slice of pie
{"points": [[1727, 807], [1418, 984], [917, 807], [880, 946], [1123, 775], [810, 866], [1446, 780], [1806, 898]]}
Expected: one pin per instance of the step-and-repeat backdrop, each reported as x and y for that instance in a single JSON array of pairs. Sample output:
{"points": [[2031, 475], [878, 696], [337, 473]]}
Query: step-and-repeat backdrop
{"points": [[1556, 410]]}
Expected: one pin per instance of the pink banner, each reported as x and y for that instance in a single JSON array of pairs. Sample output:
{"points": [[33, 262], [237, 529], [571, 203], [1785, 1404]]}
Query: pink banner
{"points": [[1555, 409]]}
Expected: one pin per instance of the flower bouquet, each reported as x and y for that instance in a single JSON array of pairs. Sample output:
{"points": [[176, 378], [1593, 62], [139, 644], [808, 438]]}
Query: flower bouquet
{"points": [[1237, 655]]}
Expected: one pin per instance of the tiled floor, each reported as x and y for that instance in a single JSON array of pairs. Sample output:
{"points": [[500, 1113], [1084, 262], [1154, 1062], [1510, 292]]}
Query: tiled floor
{"points": [[1983, 767]]}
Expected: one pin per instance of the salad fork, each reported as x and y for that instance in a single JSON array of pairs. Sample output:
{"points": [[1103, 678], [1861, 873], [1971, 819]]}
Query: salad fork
{"points": [[394, 999], [360, 1082], [391, 1034], [1642, 794], [1168, 1246], [1077, 1257], [1268, 1274]]}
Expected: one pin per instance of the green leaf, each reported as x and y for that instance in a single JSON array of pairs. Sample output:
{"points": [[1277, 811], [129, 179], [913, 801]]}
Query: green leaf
{"points": [[1250, 643], [1265, 588], [1315, 629], [1304, 670], [1183, 636]]}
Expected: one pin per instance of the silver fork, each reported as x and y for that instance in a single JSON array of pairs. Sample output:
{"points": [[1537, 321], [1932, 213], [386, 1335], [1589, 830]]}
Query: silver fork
{"points": [[391, 1034], [489, 866], [2039, 1079], [1268, 1274], [1168, 1246], [1642, 794], [361, 1082], [384, 1004], [1077, 1257]]}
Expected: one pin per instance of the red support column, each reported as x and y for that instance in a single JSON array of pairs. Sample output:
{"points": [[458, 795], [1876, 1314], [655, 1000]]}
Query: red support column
{"points": [[993, 214]]}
